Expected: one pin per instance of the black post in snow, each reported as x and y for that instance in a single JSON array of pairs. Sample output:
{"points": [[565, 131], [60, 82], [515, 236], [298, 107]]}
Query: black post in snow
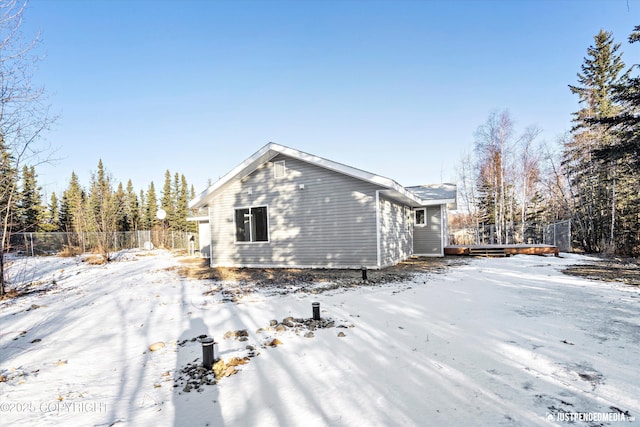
{"points": [[207, 352], [316, 310]]}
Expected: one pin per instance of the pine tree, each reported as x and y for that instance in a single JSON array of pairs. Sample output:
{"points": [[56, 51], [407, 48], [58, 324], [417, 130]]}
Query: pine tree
{"points": [[66, 216], [121, 201], [180, 220], [72, 207], [8, 196], [132, 208], [593, 185], [626, 124], [30, 209], [143, 218], [192, 226], [8, 190], [52, 215], [151, 207], [176, 221], [624, 155], [167, 200]]}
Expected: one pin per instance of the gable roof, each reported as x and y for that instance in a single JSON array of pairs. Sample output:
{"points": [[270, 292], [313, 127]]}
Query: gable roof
{"points": [[271, 150]]}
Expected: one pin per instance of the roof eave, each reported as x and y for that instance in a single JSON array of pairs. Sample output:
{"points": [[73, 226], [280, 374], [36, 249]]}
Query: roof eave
{"points": [[438, 202], [242, 170], [198, 218], [271, 150]]}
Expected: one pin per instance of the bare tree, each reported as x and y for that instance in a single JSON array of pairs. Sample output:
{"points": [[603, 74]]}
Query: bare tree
{"points": [[529, 171], [554, 182], [103, 209], [468, 203], [493, 145], [24, 113]]}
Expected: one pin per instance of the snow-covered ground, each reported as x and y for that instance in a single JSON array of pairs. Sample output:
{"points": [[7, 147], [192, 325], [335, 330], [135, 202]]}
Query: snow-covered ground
{"points": [[509, 341]]}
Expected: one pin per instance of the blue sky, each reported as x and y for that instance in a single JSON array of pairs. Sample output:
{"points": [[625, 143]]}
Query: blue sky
{"points": [[393, 87]]}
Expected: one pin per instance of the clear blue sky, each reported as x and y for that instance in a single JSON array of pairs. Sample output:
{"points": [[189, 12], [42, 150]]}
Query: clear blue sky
{"points": [[393, 87]]}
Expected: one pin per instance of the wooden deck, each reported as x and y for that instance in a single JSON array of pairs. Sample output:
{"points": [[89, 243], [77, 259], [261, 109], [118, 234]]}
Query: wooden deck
{"points": [[500, 250]]}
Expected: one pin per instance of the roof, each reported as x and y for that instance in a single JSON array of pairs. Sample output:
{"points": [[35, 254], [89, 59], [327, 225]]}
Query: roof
{"points": [[271, 150], [443, 193]]}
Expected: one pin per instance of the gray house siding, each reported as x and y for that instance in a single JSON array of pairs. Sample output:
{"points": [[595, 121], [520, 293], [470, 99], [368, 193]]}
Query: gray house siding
{"points": [[427, 240], [330, 222], [396, 236]]}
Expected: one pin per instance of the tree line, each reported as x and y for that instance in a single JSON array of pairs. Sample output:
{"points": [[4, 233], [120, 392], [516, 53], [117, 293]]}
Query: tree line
{"points": [[100, 207], [515, 183]]}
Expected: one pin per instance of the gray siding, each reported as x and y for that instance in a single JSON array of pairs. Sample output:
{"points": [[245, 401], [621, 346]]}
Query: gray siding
{"points": [[396, 237], [329, 223], [427, 240]]}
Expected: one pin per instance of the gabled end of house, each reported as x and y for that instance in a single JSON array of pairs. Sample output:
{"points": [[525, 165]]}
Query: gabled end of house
{"points": [[282, 207]]}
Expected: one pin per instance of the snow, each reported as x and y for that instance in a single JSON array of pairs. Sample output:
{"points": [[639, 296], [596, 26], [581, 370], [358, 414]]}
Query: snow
{"points": [[504, 341]]}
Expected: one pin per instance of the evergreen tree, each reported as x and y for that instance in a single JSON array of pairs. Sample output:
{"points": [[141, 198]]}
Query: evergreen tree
{"points": [[167, 202], [131, 208], [593, 185], [626, 124], [52, 215], [72, 218], [192, 226], [30, 209], [66, 215], [176, 221], [180, 221], [121, 201], [143, 218], [624, 155], [151, 207], [8, 190], [8, 196]]}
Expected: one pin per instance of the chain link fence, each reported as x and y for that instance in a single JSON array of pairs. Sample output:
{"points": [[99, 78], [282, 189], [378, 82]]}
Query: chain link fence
{"points": [[53, 243], [486, 234], [556, 234]]}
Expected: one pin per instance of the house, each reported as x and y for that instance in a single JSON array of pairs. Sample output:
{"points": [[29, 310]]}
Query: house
{"points": [[282, 207]]}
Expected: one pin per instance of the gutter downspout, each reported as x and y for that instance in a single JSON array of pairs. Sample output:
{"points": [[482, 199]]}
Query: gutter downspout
{"points": [[443, 228], [378, 248]]}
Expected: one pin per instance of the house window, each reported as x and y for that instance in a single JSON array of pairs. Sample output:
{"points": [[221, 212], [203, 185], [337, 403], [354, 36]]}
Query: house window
{"points": [[252, 224], [279, 169], [421, 217]]}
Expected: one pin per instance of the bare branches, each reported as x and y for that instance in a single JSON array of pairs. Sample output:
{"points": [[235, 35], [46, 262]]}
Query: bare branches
{"points": [[24, 112], [499, 184]]}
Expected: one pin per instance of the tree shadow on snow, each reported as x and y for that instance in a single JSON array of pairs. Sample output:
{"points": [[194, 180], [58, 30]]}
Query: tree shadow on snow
{"points": [[193, 407]]}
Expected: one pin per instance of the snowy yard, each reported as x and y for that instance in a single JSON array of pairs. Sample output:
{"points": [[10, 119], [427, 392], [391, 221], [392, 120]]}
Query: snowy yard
{"points": [[509, 341]]}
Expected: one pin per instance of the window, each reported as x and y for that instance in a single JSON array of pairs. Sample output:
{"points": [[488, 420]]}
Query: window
{"points": [[421, 217], [279, 169], [252, 224]]}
